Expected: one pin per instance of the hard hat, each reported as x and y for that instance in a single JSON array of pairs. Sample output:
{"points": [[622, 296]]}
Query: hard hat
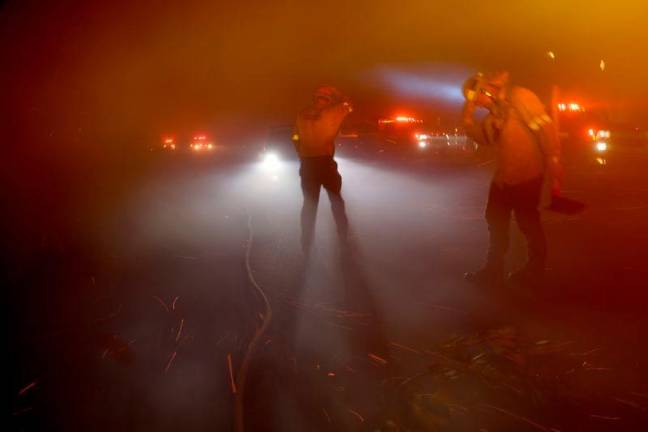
{"points": [[471, 86], [476, 82], [327, 92]]}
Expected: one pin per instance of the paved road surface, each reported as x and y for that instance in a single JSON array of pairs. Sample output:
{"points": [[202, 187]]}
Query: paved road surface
{"points": [[129, 313]]}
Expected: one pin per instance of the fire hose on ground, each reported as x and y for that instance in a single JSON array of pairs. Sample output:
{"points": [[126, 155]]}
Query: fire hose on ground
{"points": [[241, 376]]}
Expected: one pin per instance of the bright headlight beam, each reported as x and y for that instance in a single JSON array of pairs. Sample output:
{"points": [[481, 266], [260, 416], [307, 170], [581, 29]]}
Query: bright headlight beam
{"points": [[271, 161], [429, 82]]}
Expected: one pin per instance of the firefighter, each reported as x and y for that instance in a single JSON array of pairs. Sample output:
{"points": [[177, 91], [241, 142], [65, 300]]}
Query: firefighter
{"points": [[316, 129], [527, 153]]}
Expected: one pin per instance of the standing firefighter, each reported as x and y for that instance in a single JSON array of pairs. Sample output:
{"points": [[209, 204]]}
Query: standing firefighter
{"points": [[316, 129], [528, 151]]}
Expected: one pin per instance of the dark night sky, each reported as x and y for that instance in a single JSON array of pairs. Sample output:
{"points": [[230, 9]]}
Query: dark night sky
{"points": [[128, 67]]}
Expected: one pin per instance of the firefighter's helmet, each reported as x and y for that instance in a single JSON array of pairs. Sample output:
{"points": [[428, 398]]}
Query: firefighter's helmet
{"points": [[496, 80], [329, 93]]}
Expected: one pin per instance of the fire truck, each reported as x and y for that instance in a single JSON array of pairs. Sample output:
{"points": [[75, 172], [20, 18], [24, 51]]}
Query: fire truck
{"points": [[583, 128]]}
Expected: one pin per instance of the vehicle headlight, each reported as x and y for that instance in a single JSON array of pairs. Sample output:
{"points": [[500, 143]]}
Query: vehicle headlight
{"points": [[271, 161], [422, 144]]}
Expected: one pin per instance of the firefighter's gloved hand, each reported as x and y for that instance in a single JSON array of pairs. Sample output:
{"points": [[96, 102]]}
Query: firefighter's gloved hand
{"points": [[467, 113], [559, 203], [565, 205]]}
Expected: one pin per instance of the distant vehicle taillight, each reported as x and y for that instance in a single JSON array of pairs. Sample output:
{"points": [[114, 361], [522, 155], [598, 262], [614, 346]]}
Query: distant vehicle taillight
{"points": [[598, 134], [200, 143], [168, 143], [399, 119], [571, 106]]}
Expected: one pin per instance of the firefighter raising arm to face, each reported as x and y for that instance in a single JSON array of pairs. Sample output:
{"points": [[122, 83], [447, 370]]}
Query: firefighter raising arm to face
{"points": [[318, 124], [491, 92], [527, 153], [316, 128]]}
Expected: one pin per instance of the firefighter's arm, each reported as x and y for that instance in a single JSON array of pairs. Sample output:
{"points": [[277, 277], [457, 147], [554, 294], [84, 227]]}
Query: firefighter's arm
{"points": [[477, 131], [295, 138], [550, 146]]}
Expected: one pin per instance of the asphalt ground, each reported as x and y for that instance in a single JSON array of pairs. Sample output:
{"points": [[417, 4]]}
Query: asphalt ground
{"points": [[132, 299]]}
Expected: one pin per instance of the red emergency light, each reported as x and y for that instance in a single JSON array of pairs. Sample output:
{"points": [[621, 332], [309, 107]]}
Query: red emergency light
{"points": [[399, 119], [570, 107]]}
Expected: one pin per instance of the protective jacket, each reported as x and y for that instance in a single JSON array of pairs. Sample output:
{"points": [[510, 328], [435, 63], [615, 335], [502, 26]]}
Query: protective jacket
{"points": [[316, 129], [520, 128]]}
